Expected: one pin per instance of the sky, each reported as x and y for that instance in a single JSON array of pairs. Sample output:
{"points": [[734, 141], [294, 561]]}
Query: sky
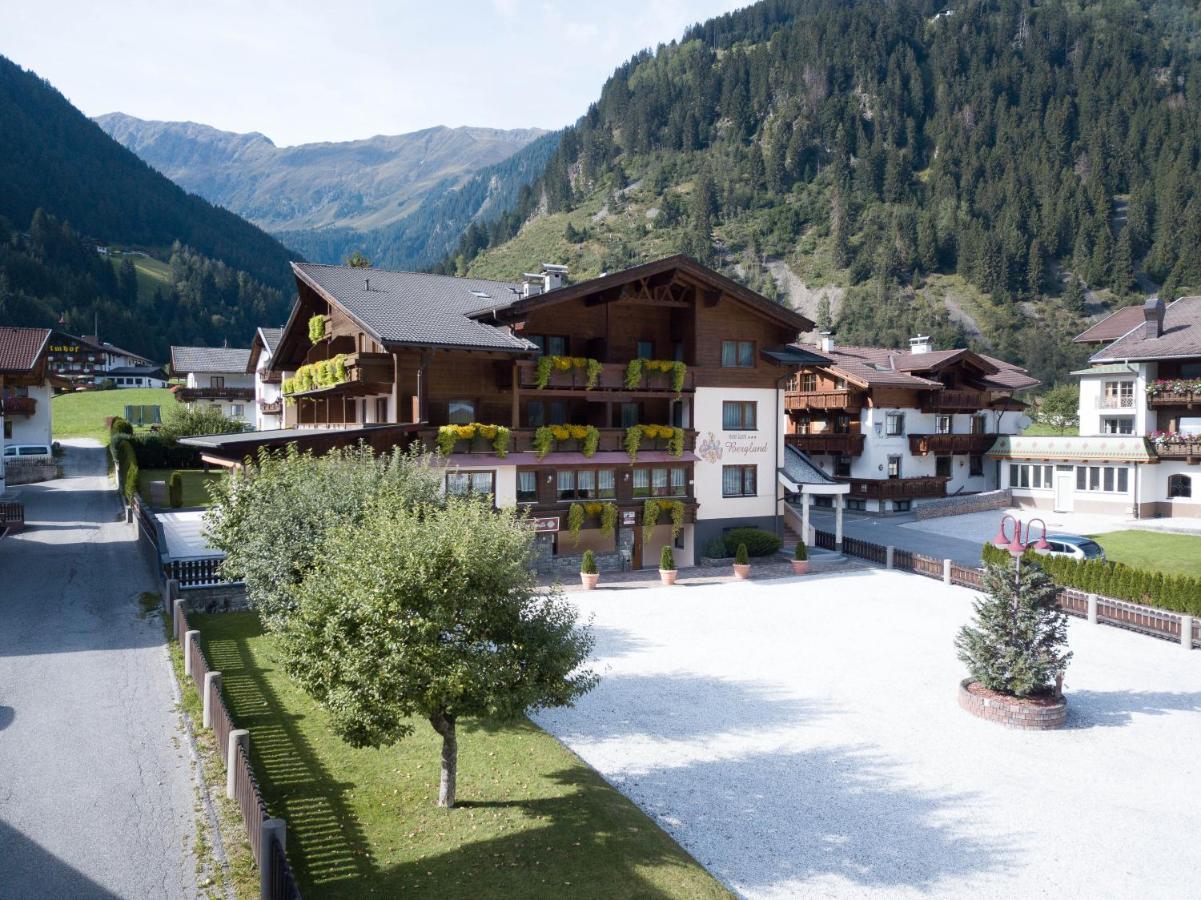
{"points": [[305, 71]]}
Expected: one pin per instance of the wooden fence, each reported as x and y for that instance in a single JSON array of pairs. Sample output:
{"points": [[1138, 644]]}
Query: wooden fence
{"points": [[1160, 623], [196, 571], [12, 516], [279, 882]]}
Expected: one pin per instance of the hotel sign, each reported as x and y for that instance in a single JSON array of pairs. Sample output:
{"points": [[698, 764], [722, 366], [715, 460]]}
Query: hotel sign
{"points": [[546, 525]]}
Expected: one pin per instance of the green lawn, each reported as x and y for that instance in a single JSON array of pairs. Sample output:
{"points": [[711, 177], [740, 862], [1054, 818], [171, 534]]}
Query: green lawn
{"points": [[82, 413], [1156, 551], [152, 273], [1037, 429], [532, 820], [195, 483]]}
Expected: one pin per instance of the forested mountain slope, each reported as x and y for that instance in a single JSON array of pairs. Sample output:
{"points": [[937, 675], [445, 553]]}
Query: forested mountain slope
{"points": [[987, 170]]}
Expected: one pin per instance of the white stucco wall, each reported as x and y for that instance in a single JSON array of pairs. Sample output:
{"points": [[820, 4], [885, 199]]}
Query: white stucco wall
{"points": [[1092, 390], [716, 448], [35, 429]]}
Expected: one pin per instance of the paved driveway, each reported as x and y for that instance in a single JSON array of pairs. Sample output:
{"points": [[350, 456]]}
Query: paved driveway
{"points": [[96, 787], [801, 738]]}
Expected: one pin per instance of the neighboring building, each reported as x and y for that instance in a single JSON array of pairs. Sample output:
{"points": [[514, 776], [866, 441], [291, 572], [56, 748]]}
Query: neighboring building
{"points": [[1139, 447], [268, 401], [215, 376], [134, 377], [904, 426], [406, 353], [24, 389], [88, 359]]}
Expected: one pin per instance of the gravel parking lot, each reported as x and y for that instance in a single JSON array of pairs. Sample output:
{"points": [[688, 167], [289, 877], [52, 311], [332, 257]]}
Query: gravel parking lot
{"points": [[802, 737]]}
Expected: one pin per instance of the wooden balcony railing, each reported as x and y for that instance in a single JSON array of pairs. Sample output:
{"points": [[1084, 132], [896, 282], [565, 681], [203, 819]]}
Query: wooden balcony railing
{"points": [[1189, 451], [897, 488], [954, 401], [186, 394], [373, 367], [974, 444], [827, 442], [271, 407], [18, 406], [612, 379], [818, 400], [521, 440], [1174, 398]]}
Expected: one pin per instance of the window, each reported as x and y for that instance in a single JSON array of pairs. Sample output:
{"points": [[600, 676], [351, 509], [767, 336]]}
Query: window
{"points": [[1119, 425], [661, 482], [856, 504], [1025, 475], [545, 412], [237, 410], [808, 382], [646, 350], [550, 344], [738, 481], [629, 414], [463, 483], [678, 351], [739, 415], [527, 486], [460, 412], [738, 354], [977, 424], [894, 424], [902, 505], [1110, 479], [381, 409], [1119, 395], [842, 466], [586, 484], [942, 424], [1180, 486], [217, 381], [975, 465], [942, 466], [894, 467]]}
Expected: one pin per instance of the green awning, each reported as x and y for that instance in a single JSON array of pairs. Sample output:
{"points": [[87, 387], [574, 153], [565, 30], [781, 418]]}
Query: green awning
{"points": [[1101, 448]]}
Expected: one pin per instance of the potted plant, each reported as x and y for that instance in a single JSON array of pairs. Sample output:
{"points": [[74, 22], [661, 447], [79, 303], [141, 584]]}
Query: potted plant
{"points": [[742, 563], [800, 559], [667, 566], [589, 574]]}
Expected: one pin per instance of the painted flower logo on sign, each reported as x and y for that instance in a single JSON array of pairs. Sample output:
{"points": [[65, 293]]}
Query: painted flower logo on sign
{"points": [[709, 449]]}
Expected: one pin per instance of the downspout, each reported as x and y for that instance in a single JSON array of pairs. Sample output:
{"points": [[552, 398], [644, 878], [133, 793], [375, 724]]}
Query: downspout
{"points": [[775, 479]]}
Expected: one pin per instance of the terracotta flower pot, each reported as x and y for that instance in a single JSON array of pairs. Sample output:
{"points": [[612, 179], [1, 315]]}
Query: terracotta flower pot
{"points": [[742, 572], [800, 566], [589, 580], [668, 576]]}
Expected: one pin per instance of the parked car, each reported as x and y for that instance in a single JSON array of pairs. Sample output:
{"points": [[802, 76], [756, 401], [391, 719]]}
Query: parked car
{"points": [[35, 452], [1074, 545]]}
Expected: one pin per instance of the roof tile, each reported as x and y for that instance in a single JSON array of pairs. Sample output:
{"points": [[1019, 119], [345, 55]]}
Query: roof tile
{"points": [[20, 348]]}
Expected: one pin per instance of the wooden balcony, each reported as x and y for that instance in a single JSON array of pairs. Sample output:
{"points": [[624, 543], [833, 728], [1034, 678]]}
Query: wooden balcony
{"points": [[897, 488], [373, 367], [848, 444], [1182, 451], [521, 440], [1187, 399], [271, 407], [844, 400], [974, 444], [18, 406], [187, 394], [952, 401], [612, 381]]}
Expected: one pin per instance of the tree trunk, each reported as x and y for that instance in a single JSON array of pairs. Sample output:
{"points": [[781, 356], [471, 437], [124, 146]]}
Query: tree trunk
{"points": [[444, 724]]}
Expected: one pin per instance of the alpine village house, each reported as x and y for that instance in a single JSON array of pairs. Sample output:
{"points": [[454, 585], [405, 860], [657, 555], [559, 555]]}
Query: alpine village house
{"points": [[635, 410]]}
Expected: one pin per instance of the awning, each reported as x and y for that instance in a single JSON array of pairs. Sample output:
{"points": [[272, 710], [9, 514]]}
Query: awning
{"points": [[240, 445], [1100, 448]]}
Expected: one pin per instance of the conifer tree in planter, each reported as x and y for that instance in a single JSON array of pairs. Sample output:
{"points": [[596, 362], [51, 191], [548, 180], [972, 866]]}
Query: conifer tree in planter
{"points": [[667, 566], [589, 574], [800, 559], [742, 563], [1016, 650]]}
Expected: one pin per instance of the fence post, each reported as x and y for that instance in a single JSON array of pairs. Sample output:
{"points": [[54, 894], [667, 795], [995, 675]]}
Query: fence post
{"points": [[1186, 632], [889, 556], [177, 621], [170, 595], [237, 737], [212, 683], [946, 571], [270, 829], [1092, 608], [188, 638]]}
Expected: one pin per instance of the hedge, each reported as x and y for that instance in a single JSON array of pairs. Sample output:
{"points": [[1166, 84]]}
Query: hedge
{"points": [[758, 542], [1178, 593], [175, 490]]}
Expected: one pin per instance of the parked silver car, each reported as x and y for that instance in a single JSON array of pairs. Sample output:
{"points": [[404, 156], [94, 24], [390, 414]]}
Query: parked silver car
{"points": [[1074, 545]]}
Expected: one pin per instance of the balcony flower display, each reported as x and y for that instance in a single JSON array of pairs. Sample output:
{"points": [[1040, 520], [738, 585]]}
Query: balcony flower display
{"points": [[1173, 439], [1168, 386], [580, 512], [669, 433], [636, 370], [549, 364], [547, 437], [322, 374], [317, 328], [652, 509], [496, 435]]}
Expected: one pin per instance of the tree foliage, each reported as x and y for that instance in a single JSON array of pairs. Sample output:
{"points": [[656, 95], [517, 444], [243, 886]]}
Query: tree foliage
{"points": [[1060, 407], [183, 420]]}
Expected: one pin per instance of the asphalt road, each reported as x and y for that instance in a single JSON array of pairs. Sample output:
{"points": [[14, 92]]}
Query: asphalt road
{"points": [[96, 784], [889, 530]]}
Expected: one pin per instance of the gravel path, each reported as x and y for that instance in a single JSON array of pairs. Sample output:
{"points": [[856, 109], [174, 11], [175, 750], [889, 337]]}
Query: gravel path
{"points": [[801, 737], [96, 787]]}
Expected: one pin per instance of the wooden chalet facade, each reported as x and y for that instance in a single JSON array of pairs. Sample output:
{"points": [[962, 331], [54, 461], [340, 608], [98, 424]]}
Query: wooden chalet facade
{"points": [[903, 426], [653, 392]]}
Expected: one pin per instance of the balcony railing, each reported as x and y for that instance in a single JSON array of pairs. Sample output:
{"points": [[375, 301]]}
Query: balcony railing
{"points": [[187, 394], [954, 401], [18, 406], [521, 440], [1190, 451], [1119, 402], [612, 379], [975, 444], [827, 442], [271, 407], [840, 400], [1174, 398], [373, 367], [897, 488]]}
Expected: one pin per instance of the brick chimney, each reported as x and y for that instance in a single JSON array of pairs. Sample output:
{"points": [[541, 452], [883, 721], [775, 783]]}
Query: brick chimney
{"points": [[1153, 317]]}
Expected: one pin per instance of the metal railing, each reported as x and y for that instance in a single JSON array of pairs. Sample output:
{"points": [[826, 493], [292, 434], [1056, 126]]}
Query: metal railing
{"points": [[1119, 402], [196, 571]]}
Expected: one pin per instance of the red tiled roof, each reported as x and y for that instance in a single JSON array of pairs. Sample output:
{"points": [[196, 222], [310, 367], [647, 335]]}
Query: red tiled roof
{"points": [[1112, 326], [1180, 336], [21, 348], [880, 366]]}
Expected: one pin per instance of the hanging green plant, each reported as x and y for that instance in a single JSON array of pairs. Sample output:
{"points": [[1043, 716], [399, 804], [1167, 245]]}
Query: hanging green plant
{"points": [[317, 328], [500, 443], [650, 518], [675, 443], [677, 518], [608, 519], [542, 374], [448, 436], [575, 520], [633, 374], [594, 373], [544, 440], [679, 372], [632, 441], [591, 442]]}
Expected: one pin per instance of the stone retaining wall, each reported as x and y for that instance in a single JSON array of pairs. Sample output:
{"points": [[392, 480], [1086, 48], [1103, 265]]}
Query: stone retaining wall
{"points": [[968, 503], [1012, 712]]}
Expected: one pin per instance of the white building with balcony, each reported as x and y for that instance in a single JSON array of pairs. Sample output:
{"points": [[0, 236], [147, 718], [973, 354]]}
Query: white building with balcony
{"points": [[218, 377], [268, 398]]}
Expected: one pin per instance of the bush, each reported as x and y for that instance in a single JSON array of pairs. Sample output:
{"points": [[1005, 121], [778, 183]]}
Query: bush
{"points": [[131, 481], [667, 560], [157, 451], [800, 554], [119, 426], [741, 557], [758, 542], [188, 421], [715, 549], [588, 563], [175, 490]]}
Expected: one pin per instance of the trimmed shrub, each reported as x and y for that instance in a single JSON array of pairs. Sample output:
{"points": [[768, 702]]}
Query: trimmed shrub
{"points": [[588, 563], [175, 490], [741, 557], [120, 426], [800, 553], [758, 542], [131, 481], [667, 559], [715, 549]]}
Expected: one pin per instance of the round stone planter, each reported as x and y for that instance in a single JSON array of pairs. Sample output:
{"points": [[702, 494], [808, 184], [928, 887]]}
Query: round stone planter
{"points": [[1028, 713]]}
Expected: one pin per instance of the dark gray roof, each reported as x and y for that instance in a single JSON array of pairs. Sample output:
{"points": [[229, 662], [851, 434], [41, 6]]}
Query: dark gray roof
{"points": [[418, 309], [208, 359], [802, 470], [1181, 336], [144, 371], [271, 337]]}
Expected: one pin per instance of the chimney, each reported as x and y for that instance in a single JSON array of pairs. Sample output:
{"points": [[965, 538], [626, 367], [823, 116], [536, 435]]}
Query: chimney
{"points": [[920, 344], [1153, 316], [531, 284], [553, 277], [825, 341], [366, 284]]}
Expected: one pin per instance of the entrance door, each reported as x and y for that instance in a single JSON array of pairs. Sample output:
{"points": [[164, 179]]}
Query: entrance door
{"points": [[1065, 487]]}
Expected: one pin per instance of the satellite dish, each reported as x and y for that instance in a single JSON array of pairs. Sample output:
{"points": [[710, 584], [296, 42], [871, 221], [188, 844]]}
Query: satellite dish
{"points": [[1024, 422]]}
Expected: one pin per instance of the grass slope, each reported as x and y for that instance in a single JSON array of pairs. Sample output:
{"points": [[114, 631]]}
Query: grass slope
{"points": [[152, 273], [533, 820], [82, 414], [1155, 551]]}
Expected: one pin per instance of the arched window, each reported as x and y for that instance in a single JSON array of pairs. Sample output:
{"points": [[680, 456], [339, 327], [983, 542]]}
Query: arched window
{"points": [[1180, 486]]}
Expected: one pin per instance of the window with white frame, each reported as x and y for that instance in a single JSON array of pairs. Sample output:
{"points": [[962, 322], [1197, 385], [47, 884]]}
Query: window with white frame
{"points": [[1117, 425], [464, 483], [1103, 479], [942, 424], [894, 424], [1031, 475], [527, 486]]}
